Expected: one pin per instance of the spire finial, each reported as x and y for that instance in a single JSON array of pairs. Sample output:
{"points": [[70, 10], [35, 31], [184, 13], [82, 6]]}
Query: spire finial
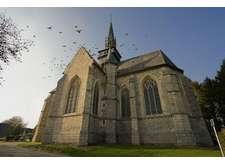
{"points": [[110, 16]]}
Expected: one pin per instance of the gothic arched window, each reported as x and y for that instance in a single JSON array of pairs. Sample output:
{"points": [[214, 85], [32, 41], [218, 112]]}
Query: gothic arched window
{"points": [[125, 103], [73, 95], [151, 97], [96, 99]]}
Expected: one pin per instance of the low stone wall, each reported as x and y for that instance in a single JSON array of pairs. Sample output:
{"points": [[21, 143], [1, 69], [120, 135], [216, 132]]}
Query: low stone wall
{"points": [[123, 131], [157, 130], [200, 131], [70, 129], [95, 134]]}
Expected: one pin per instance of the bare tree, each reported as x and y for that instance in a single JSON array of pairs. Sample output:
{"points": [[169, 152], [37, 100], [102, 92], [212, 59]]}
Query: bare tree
{"points": [[11, 42], [16, 125]]}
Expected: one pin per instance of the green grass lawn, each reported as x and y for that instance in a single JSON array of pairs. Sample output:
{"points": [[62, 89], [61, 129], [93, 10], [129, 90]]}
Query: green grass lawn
{"points": [[124, 150]]}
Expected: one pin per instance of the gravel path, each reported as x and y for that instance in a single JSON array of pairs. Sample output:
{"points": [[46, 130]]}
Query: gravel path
{"points": [[10, 149]]}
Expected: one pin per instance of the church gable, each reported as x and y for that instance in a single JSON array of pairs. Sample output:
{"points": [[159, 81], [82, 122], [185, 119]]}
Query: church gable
{"points": [[80, 62]]}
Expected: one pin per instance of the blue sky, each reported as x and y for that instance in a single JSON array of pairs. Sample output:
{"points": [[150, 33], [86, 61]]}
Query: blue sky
{"points": [[193, 38]]}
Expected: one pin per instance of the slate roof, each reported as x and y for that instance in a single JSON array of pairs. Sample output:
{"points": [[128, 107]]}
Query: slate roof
{"points": [[147, 61]]}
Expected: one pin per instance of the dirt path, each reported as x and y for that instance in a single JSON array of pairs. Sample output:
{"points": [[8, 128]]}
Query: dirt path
{"points": [[10, 149]]}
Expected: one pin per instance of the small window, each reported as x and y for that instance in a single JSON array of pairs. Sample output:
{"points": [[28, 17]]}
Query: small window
{"points": [[96, 99], [125, 103]]}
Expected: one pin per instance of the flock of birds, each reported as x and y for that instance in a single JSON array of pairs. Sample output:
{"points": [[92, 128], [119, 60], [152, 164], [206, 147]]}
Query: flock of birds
{"points": [[58, 64]]}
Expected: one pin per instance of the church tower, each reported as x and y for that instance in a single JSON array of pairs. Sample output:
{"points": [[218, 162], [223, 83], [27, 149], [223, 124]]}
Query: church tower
{"points": [[109, 58], [110, 53]]}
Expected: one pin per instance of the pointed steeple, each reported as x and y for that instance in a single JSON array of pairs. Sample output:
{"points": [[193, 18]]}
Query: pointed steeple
{"points": [[109, 54], [110, 41]]}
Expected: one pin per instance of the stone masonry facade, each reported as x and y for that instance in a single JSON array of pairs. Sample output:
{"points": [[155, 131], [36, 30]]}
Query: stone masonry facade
{"points": [[179, 122]]}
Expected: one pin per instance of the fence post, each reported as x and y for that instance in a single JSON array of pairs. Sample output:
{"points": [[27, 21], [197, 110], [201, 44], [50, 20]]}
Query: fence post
{"points": [[218, 141]]}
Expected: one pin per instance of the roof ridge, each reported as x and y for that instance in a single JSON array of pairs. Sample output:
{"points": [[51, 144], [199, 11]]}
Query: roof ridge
{"points": [[159, 55], [145, 54]]}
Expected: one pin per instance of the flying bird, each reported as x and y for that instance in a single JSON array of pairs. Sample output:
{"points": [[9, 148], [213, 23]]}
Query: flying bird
{"points": [[126, 34], [60, 32], [78, 31], [63, 46], [121, 45], [49, 27], [76, 26]]}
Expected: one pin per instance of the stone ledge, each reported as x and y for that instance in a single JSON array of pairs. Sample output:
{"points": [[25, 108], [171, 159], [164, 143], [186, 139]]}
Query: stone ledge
{"points": [[72, 114]]}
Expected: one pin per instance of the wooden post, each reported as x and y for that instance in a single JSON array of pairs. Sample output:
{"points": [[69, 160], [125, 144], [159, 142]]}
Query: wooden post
{"points": [[214, 129]]}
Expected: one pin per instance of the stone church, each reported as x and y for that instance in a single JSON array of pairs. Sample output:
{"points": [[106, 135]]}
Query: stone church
{"points": [[142, 100]]}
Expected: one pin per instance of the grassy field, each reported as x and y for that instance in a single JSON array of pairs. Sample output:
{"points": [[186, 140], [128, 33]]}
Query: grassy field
{"points": [[122, 150]]}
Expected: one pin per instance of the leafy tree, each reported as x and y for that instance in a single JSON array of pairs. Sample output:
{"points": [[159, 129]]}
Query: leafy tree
{"points": [[220, 90], [196, 86], [211, 96], [16, 125], [207, 99]]}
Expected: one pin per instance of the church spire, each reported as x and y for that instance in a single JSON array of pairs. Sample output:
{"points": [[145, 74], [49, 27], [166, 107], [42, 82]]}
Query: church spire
{"points": [[110, 41], [109, 54]]}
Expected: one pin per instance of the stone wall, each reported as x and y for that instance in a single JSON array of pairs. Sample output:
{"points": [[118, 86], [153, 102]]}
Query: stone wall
{"points": [[95, 124], [74, 127], [158, 129], [198, 124], [177, 125], [109, 103], [42, 121], [49, 126], [123, 131], [70, 129], [180, 122], [67, 128], [145, 129]]}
